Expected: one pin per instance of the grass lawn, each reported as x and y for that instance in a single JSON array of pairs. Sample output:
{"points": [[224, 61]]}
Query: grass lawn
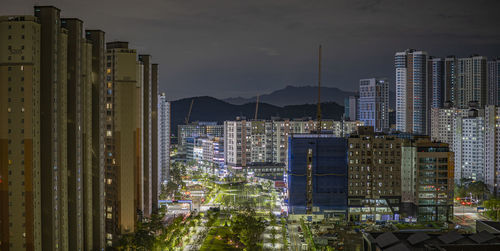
{"points": [[212, 242], [418, 226]]}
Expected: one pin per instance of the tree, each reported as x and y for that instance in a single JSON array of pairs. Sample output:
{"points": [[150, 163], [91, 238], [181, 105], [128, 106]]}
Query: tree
{"points": [[248, 228], [493, 208], [478, 189]]}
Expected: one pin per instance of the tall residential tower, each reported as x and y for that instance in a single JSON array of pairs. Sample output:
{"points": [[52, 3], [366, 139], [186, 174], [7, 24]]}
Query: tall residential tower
{"points": [[374, 103], [20, 192], [412, 104]]}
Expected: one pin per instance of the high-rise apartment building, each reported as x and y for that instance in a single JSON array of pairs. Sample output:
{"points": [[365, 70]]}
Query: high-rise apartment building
{"points": [[374, 175], [493, 91], [71, 143], [163, 138], [123, 140], [351, 108], [147, 134], [449, 80], [86, 130], [154, 139], [20, 149], [492, 148], [97, 99], [53, 128], [74, 132], [468, 146], [443, 121], [374, 103], [436, 77], [471, 81], [412, 105]]}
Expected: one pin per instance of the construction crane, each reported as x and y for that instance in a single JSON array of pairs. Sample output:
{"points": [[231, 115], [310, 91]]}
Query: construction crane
{"points": [[318, 112], [256, 108], [189, 113], [309, 167]]}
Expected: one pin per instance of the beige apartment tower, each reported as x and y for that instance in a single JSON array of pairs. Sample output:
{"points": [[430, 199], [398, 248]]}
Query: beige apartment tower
{"points": [[98, 91], [155, 186], [53, 124], [74, 132], [20, 198], [123, 136], [147, 135]]}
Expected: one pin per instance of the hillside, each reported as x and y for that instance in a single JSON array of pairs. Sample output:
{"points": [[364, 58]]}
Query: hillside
{"points": [[293, 95], [211, 109]]}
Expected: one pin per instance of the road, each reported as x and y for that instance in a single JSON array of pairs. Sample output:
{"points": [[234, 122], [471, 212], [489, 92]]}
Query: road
{"points": [[295, 242], [467, 216]]}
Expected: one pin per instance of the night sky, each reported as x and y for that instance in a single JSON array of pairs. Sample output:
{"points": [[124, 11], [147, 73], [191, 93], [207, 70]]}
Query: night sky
{"points": [[228, 48]]}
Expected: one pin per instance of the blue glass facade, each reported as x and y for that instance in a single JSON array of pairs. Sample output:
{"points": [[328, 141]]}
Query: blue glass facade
{"points": [[329, 173]]}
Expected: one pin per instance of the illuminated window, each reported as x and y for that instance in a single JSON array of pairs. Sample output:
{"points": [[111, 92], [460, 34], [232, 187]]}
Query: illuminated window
{"points": [[109, 181], [109, 236], [108, 133], [109, 84], [109, 216], [108, 71]]}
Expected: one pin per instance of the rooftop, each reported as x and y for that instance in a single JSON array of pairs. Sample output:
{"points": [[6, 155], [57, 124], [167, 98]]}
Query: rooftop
{"points": [[432, 241]]}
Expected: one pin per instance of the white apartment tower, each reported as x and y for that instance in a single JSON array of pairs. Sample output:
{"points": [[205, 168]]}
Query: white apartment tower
{"points": [[374, 103], [494, 82], [468, 146], [163, 138], [442, 123], [492, 148], [412, 102], [471, 81]]}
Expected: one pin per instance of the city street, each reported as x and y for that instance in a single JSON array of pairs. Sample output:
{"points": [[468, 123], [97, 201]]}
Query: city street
{"points": [[466, 217]]}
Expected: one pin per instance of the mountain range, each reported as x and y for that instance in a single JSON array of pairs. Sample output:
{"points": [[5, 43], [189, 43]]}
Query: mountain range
{"points": [[290, 102], [211, 109], [298, 95]]}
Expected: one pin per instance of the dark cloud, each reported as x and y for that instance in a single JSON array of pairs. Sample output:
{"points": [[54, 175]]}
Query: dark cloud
{"points": [[239, 48]]}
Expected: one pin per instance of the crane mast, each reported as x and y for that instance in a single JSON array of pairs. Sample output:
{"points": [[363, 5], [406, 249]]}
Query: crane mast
{"points": [[318, 112]]}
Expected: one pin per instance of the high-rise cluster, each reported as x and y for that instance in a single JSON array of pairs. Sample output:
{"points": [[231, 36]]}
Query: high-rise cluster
{"points": [[454, 101], [79, 136], [424, 82]]}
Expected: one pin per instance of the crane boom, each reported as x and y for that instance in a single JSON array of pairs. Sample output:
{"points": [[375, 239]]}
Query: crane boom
{"points": [[318, 112], [256, 108], [189, 113]]}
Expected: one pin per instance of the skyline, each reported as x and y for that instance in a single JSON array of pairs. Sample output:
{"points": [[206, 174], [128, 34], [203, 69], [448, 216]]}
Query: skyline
{"points": [[93, 156], [228, 49]]}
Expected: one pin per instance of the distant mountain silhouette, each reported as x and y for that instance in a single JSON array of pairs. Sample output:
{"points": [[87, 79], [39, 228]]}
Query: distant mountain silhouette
{"points": [[294, 95], [211, 109]]}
